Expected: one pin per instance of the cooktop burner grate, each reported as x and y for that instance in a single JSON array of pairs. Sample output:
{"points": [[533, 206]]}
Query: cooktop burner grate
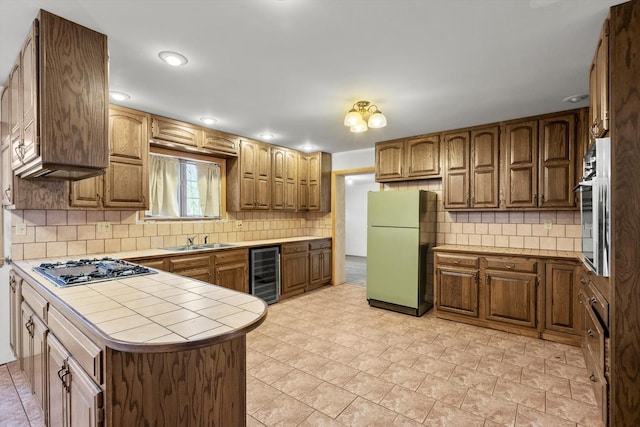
{"points": [[83, 271]]}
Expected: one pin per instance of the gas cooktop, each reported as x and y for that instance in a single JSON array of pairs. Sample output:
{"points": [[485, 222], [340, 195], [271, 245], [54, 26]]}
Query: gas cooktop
{"points": [[84, 271]]}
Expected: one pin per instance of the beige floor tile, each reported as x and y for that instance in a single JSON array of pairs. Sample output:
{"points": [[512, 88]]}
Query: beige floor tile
{"points": [[340, 353], [473, 379], [318, 419], [402, 421], [545, 352], [270, 370], [524, 395], [284, 352], [328, 399], [528, 417], [369, 387], [573, 410], [550, 383], [447, 416], [252, 422], [370, 346], [451, 341], [283, 411], [563, 370], [530, 362], [408, 403], [500, 369], [443, 390], [432, 366], [507, 344], [369, 364], [296, 383], [582, 392], [485, 351], [405, 357], [335, 373], [307, 361], [460, 357], [401, 375], [361, 412], [487, 406], [259, 394], [575, 357]]}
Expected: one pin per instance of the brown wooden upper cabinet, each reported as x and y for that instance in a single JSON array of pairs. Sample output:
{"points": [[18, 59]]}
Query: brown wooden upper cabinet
{"points": [[284, 171], [599, 85], [472, 170], [540, 161], [58, 131], [406, 159], [184, 136], [125, 185], [314, 182], [249, 177]]}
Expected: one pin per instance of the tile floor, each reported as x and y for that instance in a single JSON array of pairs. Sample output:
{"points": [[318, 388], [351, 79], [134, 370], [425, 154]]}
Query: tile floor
{"points": [[327, 359], [355, 269]]}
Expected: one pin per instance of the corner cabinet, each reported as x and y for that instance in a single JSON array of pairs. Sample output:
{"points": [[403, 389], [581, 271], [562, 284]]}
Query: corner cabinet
{"points": [[408, 159], [472, 170], [58, 57], [125, 184]]}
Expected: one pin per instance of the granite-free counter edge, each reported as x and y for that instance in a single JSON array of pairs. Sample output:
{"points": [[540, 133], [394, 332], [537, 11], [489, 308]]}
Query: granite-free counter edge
{"points": [[490, 250], [111, 312]]}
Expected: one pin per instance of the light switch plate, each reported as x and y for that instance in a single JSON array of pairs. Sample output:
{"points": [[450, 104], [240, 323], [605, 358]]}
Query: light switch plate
{"points": [[21, 229], [103, 227], [239, 224], [548, 224]]}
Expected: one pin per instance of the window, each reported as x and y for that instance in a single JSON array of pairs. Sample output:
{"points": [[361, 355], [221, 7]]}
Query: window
{"points": [[183, 188]]}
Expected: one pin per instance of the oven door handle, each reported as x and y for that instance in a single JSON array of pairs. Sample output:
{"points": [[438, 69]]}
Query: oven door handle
{"points": [[582, 184]]}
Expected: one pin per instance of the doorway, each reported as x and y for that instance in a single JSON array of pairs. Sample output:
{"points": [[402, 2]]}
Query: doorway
{"points": [[349, 187]]}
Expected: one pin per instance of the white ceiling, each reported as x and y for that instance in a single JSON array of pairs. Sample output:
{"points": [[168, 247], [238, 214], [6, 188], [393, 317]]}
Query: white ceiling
{"points": [[294, 67]]}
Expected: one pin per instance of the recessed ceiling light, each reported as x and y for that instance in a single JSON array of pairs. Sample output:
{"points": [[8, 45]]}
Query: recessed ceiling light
{"points": [[173, 58], [308, 147], [118, 96], [575, 98], [208, 120], [267, 136]]}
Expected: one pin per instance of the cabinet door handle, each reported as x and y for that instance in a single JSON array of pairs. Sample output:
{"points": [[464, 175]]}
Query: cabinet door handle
{"points": [[593, 378], [590, 333], [20, 151], [7, 193], [509, 266], [456, 261], [593, 300], [584, 282], [12, 283], [29, 326]]}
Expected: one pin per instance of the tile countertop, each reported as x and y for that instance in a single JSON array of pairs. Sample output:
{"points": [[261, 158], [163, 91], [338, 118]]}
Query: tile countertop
{"points": [[485, 250], [150, 253], [159, 312]]}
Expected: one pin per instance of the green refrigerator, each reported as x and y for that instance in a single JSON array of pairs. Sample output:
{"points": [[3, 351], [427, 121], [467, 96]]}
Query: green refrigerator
{"points": [[401, 233]]}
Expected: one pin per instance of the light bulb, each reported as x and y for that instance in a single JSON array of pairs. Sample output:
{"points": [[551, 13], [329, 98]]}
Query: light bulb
{"points": [[352, 118], [377, 120], [359, 127]]}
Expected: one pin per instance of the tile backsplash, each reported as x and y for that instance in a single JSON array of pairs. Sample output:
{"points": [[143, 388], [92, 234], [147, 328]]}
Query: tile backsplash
{"points": [[59, 233], [513, 229]]}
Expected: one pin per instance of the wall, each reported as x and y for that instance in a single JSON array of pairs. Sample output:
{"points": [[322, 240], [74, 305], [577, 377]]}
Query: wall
{"points": [[356, 214], [59, 233], [364, 158], [513, 229]]}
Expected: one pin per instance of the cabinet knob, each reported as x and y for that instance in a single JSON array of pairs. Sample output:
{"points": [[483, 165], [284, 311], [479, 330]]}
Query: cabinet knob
{"points": [[593, 378], [456, 261], [590, 333]]}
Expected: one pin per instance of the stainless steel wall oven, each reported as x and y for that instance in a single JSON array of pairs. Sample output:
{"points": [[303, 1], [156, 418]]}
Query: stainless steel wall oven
{"points": [[595, 206]]}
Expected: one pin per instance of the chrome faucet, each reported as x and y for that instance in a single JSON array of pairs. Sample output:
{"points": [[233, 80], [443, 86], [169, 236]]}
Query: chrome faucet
{"points": [[206, 239], [190, 240]]}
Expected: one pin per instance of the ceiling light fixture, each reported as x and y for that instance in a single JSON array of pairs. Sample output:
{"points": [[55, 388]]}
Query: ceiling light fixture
{"points": [[173, 58], [308, 147], [208, 120], [118, 96], [575, 98], [363, 116], [267, 136]]}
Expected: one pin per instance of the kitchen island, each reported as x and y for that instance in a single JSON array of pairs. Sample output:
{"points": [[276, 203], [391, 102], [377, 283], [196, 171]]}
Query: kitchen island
{"points": [[157, 349]]}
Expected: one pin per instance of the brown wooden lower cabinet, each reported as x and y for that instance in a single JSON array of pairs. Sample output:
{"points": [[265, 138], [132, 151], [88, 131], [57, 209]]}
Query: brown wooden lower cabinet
{"points": [[523, 295], [319, 263], [230, 269], [15, 298], [295, 268], [33, 339], [195, 266]]}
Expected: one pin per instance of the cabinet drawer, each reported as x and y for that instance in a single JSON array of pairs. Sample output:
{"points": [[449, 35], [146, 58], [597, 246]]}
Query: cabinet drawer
{"points": [[593, 298], [38, 304], [157, 263], [512, 264], [86, 353], [292, 248], [320, 244], [599, 385], [594, 338], [459, 260], [193, 262], [226, 257]]}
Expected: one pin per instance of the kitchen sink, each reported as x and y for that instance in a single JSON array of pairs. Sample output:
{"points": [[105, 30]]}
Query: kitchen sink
{"points": [[199, 247]]}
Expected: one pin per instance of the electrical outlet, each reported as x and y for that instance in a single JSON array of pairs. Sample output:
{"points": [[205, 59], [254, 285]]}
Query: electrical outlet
{"points": [[548, 224], [21, 229], [327, 221], [103, 227], [239, 224]]}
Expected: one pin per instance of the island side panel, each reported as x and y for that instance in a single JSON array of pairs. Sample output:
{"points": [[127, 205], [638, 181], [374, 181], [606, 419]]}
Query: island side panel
{"points": [[200, 387]]}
